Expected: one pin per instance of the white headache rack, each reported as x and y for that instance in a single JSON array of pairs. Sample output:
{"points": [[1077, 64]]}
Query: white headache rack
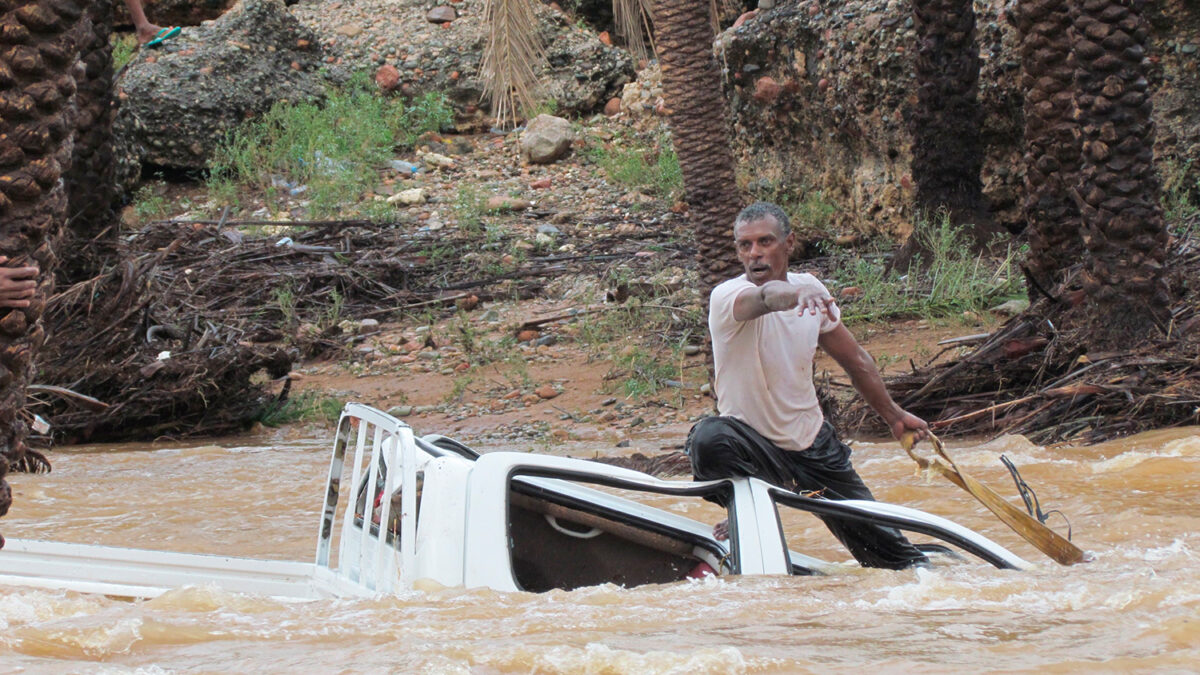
{"points": [[366, 563]]}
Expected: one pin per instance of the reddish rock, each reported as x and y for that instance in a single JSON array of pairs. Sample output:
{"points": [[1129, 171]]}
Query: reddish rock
{"points": [[527, 335], [468, 303], [503, 203], [387, 77], [766, 90], [541, 184], [546, 391], [605, 38], [850, 293], [515, 393], [822, 84], [613, 107]]}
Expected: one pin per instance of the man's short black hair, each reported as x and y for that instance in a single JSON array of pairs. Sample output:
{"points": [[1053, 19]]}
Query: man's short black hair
{"points": [[759, 210]]}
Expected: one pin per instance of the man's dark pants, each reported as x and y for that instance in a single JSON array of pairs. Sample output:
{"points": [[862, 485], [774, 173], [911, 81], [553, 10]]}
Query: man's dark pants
{"points": [[724, 447]]}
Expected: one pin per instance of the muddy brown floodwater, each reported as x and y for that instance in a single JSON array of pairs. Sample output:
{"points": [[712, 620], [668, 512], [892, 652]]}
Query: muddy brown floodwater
{"points": [[1136, 609]]}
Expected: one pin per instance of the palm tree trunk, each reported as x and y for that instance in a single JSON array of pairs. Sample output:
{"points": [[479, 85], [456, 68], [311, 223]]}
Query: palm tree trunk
{"points": [[1051, 154], [38, 52], [701, 131], [90, 180], [1123, 228], [947, 150]]}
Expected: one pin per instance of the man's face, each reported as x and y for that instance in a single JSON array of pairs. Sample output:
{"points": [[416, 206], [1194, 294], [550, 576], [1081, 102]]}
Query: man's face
{"points": [[762, 252]]}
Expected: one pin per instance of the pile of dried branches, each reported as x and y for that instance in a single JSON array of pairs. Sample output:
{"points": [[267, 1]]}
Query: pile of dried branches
{"points": [[1043, 375], [171, 340]]}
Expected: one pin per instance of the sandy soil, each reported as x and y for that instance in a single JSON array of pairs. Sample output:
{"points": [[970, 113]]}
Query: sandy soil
{"points": [[549, 395]]}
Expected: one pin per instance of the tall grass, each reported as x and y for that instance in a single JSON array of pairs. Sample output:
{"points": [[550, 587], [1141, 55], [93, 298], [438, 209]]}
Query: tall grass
{"points": [[951, 281], [329, 153]]}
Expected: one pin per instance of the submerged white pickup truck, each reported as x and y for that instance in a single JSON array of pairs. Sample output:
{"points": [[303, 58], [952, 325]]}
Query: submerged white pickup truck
{"points": [[400, 509]]}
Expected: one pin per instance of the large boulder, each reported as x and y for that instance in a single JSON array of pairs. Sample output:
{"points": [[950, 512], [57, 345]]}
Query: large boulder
{"points": [[173, 12], [179, 101], [821, 99], [581, 74], [546, 138]]}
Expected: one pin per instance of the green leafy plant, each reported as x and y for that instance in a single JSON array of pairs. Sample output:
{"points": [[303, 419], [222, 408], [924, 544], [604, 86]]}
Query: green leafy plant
{"points": [[149, 204], [123, 49]]}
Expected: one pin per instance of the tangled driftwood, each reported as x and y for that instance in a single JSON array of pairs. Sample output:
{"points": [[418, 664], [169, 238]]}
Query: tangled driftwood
{"points": [[172, 337], [1042, 374]]}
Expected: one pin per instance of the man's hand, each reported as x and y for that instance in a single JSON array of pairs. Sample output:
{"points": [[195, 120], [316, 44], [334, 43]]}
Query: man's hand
{"points": [[907, 422], [17, 284]]}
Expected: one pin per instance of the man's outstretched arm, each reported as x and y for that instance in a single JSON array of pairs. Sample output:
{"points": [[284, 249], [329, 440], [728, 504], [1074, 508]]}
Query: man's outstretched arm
{"points": [[858, 364], [778, 296]]}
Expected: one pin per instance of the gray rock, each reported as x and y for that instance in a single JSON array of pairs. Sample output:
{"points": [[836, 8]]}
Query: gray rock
{"points": [[207, 80], [400, 411], [441, 14], [546, 138]]}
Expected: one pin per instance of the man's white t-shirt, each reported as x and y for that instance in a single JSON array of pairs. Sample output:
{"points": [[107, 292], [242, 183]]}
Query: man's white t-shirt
{"points": [[764, 366]]}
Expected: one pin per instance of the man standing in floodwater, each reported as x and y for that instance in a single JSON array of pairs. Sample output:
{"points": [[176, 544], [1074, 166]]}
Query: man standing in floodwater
{"points": [[766, 325]]}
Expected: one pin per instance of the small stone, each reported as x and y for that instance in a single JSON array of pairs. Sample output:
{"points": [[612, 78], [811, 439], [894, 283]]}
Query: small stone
{"points": [[822, 84], [503, 203], [636, 421], [605, 38], [527, 335], [541, 184], [613, 107], [850, 293], [608, 401], [387, 77], [691, 350], [349, 30], [400, 411], [546, 391], [766, 90], [1011, 308], [408, 197]]}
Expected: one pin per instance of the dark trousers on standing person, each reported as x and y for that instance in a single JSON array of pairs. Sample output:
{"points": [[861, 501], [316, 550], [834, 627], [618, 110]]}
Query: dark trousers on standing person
{"points": [[724, 447]]}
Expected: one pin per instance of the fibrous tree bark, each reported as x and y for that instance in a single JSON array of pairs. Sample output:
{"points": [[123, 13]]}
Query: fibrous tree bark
{"points": [[947, 150], [38, 52], [1122, 223], [701, 131], [1051, 152], [90, 180]]}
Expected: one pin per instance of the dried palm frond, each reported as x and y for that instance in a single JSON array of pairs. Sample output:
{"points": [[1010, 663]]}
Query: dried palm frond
{"points": [[512, 57], [634, 25]]}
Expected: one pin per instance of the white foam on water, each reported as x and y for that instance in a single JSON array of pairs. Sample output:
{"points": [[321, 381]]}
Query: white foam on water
{"points": [[18, 608], [600, 658]]}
